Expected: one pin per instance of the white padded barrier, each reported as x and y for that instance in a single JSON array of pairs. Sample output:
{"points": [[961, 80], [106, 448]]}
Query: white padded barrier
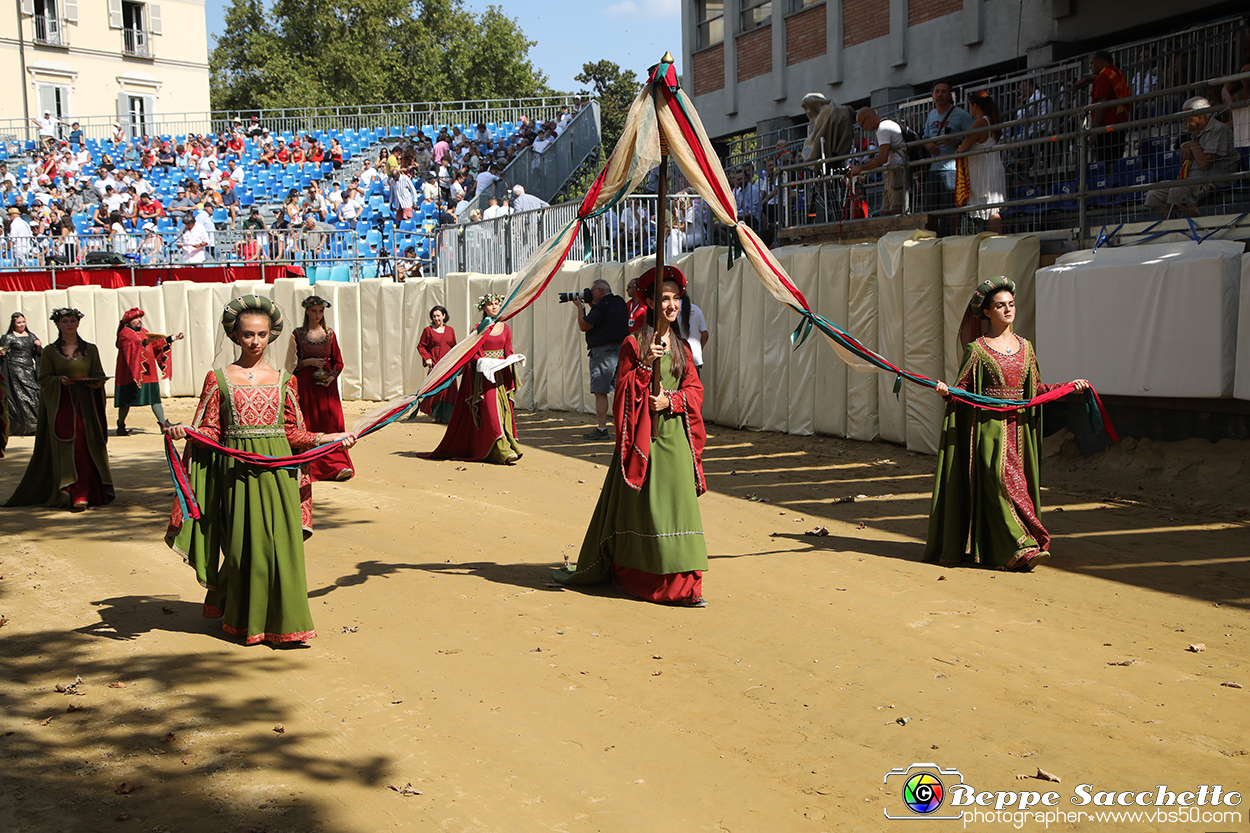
{"points": [[1149, 320], [1241, 383], [892, 416], [862, 308], [922, 351]]}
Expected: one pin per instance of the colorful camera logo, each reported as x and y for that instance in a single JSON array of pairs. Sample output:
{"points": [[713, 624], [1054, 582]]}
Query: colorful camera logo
{"points": [[923, 789]]}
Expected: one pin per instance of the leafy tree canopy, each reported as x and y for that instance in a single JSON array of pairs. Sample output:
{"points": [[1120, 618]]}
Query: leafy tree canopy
{"points": [[616, 89], [313, 53]]}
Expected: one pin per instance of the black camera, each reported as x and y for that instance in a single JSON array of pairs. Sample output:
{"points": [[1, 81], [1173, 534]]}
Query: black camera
{"points": [[585, 295]]}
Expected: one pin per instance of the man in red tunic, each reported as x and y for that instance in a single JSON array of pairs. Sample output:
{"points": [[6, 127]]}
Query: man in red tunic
{"points": [[142, 361]]}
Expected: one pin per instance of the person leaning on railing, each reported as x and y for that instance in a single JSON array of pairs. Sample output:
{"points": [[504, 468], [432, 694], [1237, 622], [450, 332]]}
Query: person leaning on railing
{"points": [[890, 156]]}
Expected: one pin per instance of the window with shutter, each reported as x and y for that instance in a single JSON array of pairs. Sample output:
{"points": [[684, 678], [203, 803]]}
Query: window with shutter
{"points": [[154, 18], [115, 14], [70, 10]]}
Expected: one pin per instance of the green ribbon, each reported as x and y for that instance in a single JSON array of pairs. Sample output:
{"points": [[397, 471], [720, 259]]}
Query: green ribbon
{"points": [[736, 249], [802, 331], [898, 385]]}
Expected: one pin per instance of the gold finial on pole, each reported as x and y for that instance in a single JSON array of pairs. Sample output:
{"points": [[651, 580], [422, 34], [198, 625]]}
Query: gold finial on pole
{"points": [[668, 58]]}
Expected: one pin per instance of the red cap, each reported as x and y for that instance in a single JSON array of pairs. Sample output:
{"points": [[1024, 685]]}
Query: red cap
{"points": [[671, 273]]}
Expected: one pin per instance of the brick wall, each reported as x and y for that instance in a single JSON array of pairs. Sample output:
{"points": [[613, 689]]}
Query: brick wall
{"points": [[755, 53], [805, 35], [918, 11], [864, 20], [709, 69]]}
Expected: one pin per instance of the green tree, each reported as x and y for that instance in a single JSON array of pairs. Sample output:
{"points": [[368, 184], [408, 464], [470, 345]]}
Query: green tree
{"points": [[307, 53], [616, 89]]}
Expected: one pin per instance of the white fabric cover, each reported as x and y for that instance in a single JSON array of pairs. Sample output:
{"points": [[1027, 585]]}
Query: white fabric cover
{"points": [[1241, 385], [1014, 256], [922, 351], [830, 372], [1149, 320], [959, 281], [803, 265], [726, 341], [892, 416], [862, 310]]}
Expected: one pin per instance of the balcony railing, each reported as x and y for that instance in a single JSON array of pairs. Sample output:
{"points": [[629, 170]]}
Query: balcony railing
{"points": [[135, 42], [48, 31]]}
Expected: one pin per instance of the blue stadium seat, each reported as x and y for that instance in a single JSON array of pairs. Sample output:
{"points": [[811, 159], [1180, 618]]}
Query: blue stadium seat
{"points": [[1102, 183], [1127, 167], [1093, 170], [1152, 146], [1063, 188], [1169, 165], [341, 272], [369, 269]]}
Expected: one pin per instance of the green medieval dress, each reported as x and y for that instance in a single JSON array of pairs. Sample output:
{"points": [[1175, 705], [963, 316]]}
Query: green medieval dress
{"points": [[646, 533], [985, 494], [69, 461], [247, 548]]}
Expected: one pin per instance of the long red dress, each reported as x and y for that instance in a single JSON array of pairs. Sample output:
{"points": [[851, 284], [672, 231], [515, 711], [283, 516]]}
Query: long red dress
{"points": [[320, 403], [432, 347], [483, 426]]}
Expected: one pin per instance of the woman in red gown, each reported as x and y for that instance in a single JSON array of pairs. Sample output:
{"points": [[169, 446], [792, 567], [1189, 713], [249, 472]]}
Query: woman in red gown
{"points": [[483, 427], [318, 363], [436, 342]]}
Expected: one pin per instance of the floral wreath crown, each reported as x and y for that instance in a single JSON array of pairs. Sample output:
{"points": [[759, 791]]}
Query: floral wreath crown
{"points": [[483, 300], [61, 312]]}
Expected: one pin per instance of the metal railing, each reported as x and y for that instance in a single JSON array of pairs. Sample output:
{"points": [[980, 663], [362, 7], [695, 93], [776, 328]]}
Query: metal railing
{"points": [[135, 42], [544, 174], [49, 31], [502, 245], [323, 254], [397, 116], [1053, 181]]}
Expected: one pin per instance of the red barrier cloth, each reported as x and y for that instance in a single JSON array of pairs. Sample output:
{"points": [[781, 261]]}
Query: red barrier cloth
{"points": [[40, 280]]}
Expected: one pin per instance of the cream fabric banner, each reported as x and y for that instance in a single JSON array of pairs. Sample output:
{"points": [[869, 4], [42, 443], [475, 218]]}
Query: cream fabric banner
{"points": [[959, 281], [831, 376], [1014, 256], [922, 351], [893, 413], [862, 422], [1241, 384]]}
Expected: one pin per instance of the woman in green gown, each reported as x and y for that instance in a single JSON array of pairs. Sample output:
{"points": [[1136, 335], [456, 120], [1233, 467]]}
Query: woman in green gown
{"points": [[646, 534], [986, 506], [69, 464], [247, 548]]}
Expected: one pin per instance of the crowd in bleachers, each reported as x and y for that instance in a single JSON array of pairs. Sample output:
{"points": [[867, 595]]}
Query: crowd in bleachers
{"points": [[246, 193]]}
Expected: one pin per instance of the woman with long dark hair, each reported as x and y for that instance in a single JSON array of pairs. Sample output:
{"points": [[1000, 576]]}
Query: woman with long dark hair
{"points": [[436, 342], [483, 424], [20, 349], [69, 465], [987, 177], [646, 534], [318, 364], [986, 507]]}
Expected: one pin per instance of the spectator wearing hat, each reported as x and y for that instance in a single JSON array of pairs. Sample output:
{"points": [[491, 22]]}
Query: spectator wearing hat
{"points": [[193, 241], [21, 238], [152, 246], [181, 204], [1210, 153], [75, 134]]}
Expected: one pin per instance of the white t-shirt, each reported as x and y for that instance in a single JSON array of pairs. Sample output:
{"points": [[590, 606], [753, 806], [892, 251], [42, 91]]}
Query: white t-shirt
{"points": [[889, 133], [190, 239], [47, 127], [698, 326], [367, 175]]}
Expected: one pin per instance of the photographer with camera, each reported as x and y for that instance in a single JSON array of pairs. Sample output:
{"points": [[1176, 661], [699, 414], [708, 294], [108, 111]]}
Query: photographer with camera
{"points": [[606, 325]]}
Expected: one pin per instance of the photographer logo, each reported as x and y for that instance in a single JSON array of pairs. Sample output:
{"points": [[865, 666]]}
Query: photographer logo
{"points": [[923, 791]]}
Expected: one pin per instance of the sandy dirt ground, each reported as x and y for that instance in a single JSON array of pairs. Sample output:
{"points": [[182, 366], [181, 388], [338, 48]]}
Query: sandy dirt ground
{"points": [[453, 688]]}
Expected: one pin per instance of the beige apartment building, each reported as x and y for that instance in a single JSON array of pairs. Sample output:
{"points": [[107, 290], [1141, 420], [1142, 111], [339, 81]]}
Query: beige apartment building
{"points": [[99, 61]]}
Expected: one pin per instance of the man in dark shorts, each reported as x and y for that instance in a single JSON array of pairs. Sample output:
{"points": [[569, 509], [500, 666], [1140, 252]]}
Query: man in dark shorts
{"points": [[606, 325]]}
